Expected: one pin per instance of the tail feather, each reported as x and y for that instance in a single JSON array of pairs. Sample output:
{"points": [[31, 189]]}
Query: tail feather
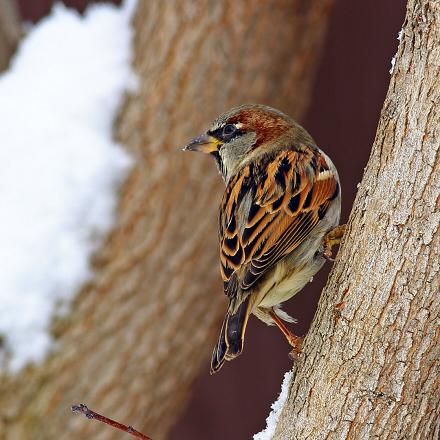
{"points": [[231, 340]]}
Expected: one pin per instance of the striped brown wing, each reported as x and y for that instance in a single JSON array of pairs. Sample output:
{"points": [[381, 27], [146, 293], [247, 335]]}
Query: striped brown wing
{"points": [[267, 212]]}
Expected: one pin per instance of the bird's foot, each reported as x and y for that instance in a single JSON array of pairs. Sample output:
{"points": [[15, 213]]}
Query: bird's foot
{"points": [[296, 343], [331, 239]]}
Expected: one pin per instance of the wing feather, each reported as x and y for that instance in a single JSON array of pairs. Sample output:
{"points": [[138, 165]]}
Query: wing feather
{"points": [[267, 212]]}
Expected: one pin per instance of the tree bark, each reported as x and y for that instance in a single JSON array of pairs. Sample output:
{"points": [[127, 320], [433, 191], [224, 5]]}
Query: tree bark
{"points": [[10, 31], [370, 365], [139, 333]]}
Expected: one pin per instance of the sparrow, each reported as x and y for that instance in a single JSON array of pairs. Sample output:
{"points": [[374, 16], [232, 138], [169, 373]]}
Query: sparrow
{"points": [[278, 218]]}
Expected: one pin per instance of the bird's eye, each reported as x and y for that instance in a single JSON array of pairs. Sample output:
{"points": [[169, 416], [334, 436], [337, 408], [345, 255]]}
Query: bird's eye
{"points": [[229, 131]]}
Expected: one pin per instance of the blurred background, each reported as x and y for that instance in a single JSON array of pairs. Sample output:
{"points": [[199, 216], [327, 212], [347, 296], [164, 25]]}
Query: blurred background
{"points": [[347, 93]]}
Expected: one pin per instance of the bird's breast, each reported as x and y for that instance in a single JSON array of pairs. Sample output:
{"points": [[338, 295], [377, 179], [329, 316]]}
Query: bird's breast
{"points": [[286, 281]]}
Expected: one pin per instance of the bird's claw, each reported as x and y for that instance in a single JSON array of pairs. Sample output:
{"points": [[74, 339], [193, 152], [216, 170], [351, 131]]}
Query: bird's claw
{"points": [[332, 238], [296, 343]]}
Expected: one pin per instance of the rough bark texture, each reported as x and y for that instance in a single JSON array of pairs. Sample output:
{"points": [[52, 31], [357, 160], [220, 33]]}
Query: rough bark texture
{"points": [[141, 330], [10, 31], [370, 365]]}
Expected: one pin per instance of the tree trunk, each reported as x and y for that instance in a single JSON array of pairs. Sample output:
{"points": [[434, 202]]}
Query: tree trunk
{"points": [[370, 365], [139, 333], [10, 31]]}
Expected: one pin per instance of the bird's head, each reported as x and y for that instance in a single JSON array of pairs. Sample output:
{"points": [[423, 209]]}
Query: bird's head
{"points": [[246, 133]]}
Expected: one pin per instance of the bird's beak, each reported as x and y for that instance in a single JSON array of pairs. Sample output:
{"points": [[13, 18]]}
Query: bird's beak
{"points": [[203, 143]]}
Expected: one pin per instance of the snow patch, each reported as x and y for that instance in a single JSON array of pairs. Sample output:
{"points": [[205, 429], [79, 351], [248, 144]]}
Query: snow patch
{"points": [[277, 407], [60, 169], [393, 60]]}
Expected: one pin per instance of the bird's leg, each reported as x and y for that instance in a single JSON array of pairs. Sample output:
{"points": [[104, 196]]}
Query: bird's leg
{"points": [[331, 239], [293, 340]]}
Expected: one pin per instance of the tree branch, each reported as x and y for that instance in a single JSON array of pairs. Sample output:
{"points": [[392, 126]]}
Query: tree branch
{"points": [[83, 409], [373, 371]]}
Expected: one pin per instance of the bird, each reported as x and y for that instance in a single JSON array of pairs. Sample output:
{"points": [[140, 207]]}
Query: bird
{"points": [[278, 218]]}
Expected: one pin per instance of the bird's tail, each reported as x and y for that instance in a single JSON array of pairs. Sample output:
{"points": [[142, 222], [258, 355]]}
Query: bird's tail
{"points": [[231, 340]]}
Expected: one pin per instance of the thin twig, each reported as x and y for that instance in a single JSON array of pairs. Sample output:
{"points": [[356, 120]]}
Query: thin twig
{"points": [[81, 408]]}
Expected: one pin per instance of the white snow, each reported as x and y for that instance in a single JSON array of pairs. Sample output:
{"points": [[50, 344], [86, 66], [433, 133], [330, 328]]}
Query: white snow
{"points": [[60, 169], [277, 407], [393, 60]]}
